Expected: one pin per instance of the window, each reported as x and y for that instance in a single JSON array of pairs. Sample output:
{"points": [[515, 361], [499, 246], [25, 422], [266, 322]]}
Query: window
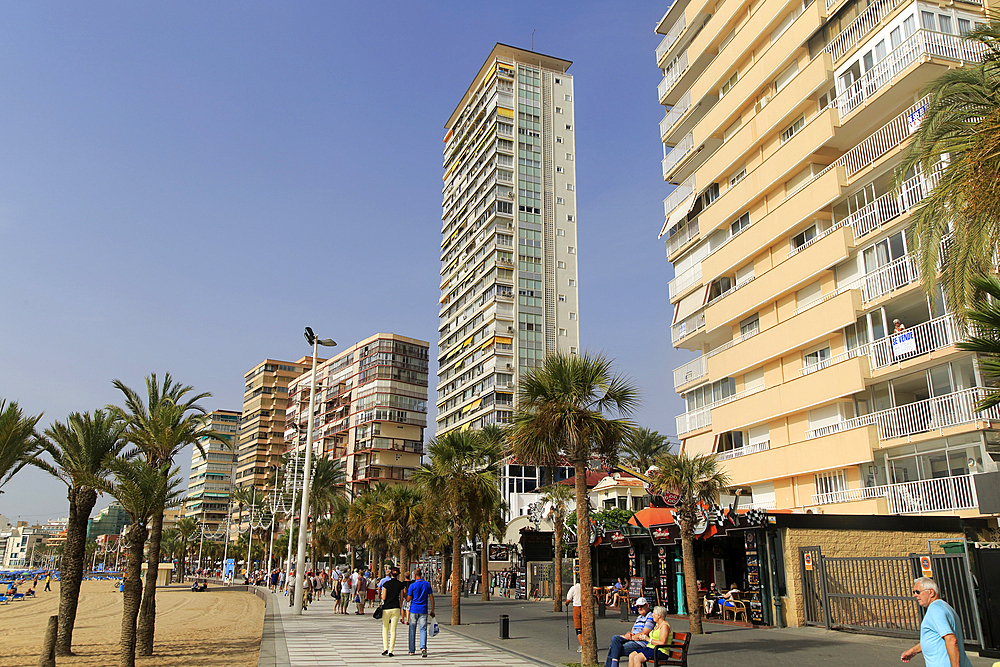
{"points": [[750, 324], [570, 218], [572, 282], [560, 200], [786, 76], [927, 20], [804, 237], [572, 350], [558, 140], [562, 297], [559, 170], [558, 80], [560, 232], [737, 176], [831, 482], [572, 317], [817, 357], [710, 194], [729, 84], [558, 109], [790, 131], [569, 186], [560, 265], [568, 126], [731, 130], [945, 23], [739, 224], [569, 156], [568, 98], [571, 250], [731, 440], [562, 332], [964, 26]]}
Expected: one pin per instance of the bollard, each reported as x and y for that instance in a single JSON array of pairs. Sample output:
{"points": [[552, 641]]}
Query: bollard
{"points": [[504, 626], [48, 656], [602, 607], [623, 606]]}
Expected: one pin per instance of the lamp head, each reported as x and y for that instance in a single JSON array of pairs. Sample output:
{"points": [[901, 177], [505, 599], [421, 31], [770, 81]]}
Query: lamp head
{"points": [[310, 336], [328, 342]]}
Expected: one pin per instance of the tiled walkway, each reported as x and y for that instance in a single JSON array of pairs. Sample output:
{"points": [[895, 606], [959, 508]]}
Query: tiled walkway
{"points": [[321, 637]]}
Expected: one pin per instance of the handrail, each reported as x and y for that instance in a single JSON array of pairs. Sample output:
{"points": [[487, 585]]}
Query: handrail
{"points": [[679, 194], [893, 204], [677, 153], [744, 450], [671, 37], [860, 27], [832, 361], [926, 495], [691, 371], [928, 336], [672, 74], [675, 113]]}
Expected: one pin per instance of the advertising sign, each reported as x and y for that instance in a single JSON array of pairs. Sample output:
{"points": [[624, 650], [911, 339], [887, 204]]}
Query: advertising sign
{"points": [[499, 552], [904, 344], [229, 569]]}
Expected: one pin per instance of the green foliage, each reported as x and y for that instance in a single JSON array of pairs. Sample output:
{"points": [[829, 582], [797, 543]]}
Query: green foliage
{"points": [[19, 443], [985, 318]]}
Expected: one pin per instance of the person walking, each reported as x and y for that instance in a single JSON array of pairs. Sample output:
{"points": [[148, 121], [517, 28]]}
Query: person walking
{"points": [[48, 580], [574, 597], [393, 592], [421, 598], [361, 596], [941, 639], [345, 593]]}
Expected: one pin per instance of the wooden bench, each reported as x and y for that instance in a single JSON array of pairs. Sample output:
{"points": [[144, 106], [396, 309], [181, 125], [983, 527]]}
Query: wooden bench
{"points": [[676, 653]]}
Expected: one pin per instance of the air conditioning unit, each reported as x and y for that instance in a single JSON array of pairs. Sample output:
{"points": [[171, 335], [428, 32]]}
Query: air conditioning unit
{"points": [[510, 329], [510, 367]]}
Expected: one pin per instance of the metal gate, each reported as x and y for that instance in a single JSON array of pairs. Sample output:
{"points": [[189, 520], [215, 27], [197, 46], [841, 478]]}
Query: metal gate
{"points": [[874, 594]]}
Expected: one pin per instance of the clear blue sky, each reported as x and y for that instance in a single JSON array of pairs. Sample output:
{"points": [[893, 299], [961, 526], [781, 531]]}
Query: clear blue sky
{"points": [[184, 186]]}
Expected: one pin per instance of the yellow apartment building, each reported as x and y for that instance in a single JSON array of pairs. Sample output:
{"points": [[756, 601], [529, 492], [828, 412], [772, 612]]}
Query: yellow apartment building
{"points": [[825, 379]]}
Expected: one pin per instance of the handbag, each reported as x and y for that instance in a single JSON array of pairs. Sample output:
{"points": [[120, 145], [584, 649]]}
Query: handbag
{"points": [[377, 614]]}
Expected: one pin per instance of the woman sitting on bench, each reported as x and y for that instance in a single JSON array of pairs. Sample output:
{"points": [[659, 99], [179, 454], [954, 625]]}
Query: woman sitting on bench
{"points": [[659, 636]]}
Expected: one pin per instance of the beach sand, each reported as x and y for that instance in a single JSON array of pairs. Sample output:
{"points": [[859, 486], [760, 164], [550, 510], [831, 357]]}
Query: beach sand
{"points": [[217, 627]]}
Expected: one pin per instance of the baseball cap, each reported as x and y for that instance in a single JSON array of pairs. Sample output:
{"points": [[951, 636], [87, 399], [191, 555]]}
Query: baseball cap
{"points": [[640, 602]]}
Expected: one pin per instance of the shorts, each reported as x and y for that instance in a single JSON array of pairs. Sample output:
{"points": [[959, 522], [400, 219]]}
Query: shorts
{"points": [[345, 597], [578, 619], [646, 651], [370, 595]]}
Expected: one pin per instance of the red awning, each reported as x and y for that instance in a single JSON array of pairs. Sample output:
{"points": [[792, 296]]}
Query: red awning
{"points": [[652, 516]]}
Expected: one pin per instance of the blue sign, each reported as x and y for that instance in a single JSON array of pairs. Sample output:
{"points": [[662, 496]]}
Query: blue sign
{"points": [[904, 344], [914, 117], [229, 569]]}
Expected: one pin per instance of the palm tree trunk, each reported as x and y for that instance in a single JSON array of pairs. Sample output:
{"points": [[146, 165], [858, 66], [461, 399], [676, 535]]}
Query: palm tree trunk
{"points": [[135, 539], [589, 653], [81, 502], [147, 609], [456, 575], [690, 583], [484, 559], [404, 559], [557, 585]]}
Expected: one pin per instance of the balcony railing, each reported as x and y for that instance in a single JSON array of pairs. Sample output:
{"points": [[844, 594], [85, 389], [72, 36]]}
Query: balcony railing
{"points": [[688, 326], [883, 140], [921, 43], [680, 193], [889, 278], [672, 75], [743, 451], [677, 153], [671, 37], [927, 495], [923, 416], [826, 363], [736, 341], [860, 27], [690, 421], [685, 234], [732, 289], [927, 337], [675, 113], [691, 371], [893, 204], [684, 280], [762, 505]]}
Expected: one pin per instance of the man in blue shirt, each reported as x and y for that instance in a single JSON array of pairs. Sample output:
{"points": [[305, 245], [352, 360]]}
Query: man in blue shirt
{"points": [[421, 598], [635, 640], [941, 639]]}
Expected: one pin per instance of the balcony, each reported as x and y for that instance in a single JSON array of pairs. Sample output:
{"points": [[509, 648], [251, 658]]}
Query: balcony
{"points": [[927, 337], [672, 74], [675, 114], [931, 414], [860, 26], [675, 198], [922, 43], [928, 495], [685, 280], [677, 153], [691, 371], [891, 205], [366, 473], [743, 451], [690, 421], [682, 237], [671, 37], [889, 278], [687, 327]]}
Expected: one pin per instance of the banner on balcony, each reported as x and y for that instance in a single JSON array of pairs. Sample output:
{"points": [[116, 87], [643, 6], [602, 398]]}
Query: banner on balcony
{"points": [[904, 344], [914, 117]]}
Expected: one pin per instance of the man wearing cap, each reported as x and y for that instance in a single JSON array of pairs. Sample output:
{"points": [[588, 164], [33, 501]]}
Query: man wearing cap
{"points": [[634, 640]]}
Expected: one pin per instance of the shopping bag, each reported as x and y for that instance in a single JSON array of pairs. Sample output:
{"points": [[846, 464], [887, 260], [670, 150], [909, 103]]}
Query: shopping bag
{"points": [[436, 629]]}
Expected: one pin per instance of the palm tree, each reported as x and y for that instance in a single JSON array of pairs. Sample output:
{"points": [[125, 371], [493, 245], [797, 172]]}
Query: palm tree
{"points": [[400, 510], [186, 530], [461, 476], [143, 491], [563, 410], [80, 450], [985, 318], [962, 125], [697, 481], [643, 446], [364, 521], [161, 426], [559, 496], [19, 442]]}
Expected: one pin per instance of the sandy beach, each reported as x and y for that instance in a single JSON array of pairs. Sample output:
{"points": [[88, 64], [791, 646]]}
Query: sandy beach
{"points": [[217, 627]]}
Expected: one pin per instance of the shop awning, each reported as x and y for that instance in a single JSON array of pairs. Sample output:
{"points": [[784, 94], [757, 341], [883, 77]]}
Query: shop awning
{"points": [[651, 516]]}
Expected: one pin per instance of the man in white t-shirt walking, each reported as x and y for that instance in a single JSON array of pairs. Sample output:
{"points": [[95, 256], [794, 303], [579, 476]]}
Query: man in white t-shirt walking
{"points": [[574, 597]]}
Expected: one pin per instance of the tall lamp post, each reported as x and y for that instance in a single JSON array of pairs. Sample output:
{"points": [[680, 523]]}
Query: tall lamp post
{"points": [[300, 560]]}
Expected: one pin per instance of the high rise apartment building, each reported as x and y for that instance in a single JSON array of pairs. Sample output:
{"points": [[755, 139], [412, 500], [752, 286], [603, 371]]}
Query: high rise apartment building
{"points": [[370, 409], [827, 381], [211, 478], [509, 293], [261, 436]]}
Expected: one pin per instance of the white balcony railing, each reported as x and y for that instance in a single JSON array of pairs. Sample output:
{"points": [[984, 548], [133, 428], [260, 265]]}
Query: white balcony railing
{"points": [[893, 204], [691, 371], [921, 43], [679, 194], [688, 326], [740, 284], [889, 278], [927, 495], [736, 341], [743, 451], [927, 337], [672, 74], [677, 153], [671, 37], [684, 280], [675, 113], [690, 421], [859, 27], [883, 140], [684, 235], [762, 505], [923, 416], [832, 361]]}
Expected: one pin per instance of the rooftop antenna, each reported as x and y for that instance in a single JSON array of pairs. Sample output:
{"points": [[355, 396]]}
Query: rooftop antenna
{"points": [[532, 39]]}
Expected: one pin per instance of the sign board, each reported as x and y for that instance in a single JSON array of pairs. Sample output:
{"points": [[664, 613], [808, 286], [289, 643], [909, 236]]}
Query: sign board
{"points": [[807, 559], [229, 569], [619, 541], [537, 545], [499, 552], [635, 587], [904, 344], [914, 118], [925, 566], [665, 534]]}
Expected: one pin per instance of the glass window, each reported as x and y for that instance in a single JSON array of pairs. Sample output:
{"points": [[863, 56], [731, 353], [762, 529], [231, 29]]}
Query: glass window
{"points": [[750, 324], [790, 131], [895, 38], [880, 51], [927, 20], [739, 224], [964, 26], [945, 22], [909, 26]]}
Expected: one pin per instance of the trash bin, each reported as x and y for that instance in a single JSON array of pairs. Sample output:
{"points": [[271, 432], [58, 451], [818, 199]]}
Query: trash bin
{"points": [[504, 626], [602, 606], [623, 606], [954, 547]]}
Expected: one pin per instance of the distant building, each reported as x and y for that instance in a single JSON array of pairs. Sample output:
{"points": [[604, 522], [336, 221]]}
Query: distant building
{"points": [[109, 521], [21, 545], [212, 474]]}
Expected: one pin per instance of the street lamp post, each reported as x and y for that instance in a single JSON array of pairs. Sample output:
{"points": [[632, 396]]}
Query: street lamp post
{"points": [[300, 560]]}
